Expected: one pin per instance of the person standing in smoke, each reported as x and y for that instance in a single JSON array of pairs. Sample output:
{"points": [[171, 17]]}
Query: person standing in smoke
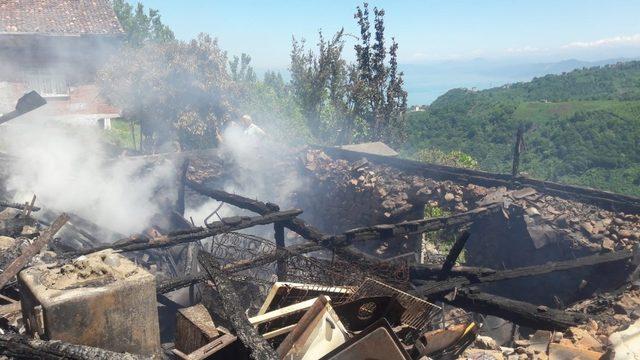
{"points": [[250, 128], [246, 128]]}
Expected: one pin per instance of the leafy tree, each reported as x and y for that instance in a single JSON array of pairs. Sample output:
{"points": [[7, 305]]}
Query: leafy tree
{"points": [[141, 27], [344, 102], [177, 91], [240, 69], [378, 95]]}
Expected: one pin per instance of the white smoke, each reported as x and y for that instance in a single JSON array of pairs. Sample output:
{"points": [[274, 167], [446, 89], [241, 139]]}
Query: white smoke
{"points": [[69, 169]]}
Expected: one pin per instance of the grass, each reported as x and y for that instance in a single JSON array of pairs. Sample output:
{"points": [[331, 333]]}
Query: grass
{"points": [[120, 134]]}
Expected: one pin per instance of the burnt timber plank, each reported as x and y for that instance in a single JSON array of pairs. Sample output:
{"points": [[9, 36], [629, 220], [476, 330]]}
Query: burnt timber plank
{"points": [[431, 288], [604, 199], [141, 242], [260, 348], [453, 255], [22, 347], [30, 251], [519, 312]]}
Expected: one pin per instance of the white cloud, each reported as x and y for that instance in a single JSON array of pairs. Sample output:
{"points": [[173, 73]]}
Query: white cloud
{"points": [[613, 41], [524, 50]]}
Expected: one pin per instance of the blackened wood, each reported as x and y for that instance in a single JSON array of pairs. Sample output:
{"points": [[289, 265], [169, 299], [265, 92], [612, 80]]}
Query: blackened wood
{"points": [[519, 312], [438, 287], [232, 199], [32, 250], [164, 286], [431, 271], [281, 264], [22, 347], [453, 255], [296, 225], [516, 151], [17, 206], [412, 227], [142, 242], [260, 348]]}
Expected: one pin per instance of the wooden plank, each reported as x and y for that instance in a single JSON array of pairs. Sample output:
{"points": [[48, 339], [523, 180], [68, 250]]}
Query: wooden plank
{"points": [[32, 250], [438, 287], [22, 347], [519, 312], [142, 242], [453, 255]]}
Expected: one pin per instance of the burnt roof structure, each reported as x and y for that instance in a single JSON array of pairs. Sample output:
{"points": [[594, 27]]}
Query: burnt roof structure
{"points": [[58, 17]]}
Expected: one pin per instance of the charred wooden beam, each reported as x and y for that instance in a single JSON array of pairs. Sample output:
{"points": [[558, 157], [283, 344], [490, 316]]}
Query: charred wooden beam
{"points": [[242, 202], [519, 312], [405, 228], [281, 264], [296, 225], [453, 254], [431, 288], [165, 286], [18, 206], [142, 242], [426, 272], [21, 347], [247, 333], [32, 250]]}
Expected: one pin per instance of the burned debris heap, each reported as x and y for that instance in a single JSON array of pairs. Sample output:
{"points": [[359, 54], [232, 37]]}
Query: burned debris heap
{"points": [[549, 271]]}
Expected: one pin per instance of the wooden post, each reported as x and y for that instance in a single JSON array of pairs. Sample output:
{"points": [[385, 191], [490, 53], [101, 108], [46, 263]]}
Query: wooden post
{"points": [[516, 151], [453, 255], [281, 264], [260, 348]]}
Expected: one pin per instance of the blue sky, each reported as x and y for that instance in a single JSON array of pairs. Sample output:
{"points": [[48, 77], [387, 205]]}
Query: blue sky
{"points": [[427, 30]]}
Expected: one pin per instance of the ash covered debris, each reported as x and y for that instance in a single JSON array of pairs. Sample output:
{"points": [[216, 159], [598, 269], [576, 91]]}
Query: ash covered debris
{"points": [[287, 289]]}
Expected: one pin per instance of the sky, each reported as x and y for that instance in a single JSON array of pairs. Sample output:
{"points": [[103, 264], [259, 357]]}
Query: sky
{"points": [[426, 30]]}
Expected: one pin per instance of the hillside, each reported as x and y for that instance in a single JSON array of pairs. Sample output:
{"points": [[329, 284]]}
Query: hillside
{"points": [[583, 127]]}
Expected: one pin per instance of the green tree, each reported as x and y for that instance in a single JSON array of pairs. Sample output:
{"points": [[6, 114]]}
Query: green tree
{"points": [[177, 91], [344, 102], [141, 27]]}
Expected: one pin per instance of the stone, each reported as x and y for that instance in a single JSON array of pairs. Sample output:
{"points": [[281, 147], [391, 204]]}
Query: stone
{"points": [[625, 233], [583, 339], [608, 244], [557, 336], [449, 197], [587, 227], [565, 352], [481, 354], [532, 211], [6, 243], [486, 343]]}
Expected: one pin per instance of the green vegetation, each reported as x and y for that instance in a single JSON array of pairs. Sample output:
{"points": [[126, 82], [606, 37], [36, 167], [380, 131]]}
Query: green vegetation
{"points": [[185, 93], [583, 127]]}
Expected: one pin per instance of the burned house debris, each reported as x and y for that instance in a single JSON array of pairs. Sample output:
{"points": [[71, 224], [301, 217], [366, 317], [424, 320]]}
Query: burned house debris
{"points": [[549, 271]]}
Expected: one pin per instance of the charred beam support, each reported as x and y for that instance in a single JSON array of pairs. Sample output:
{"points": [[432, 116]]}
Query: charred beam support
{"points": [[260, 348], [281, 264], [141, 242], [165, 286], [453, 255], [296, 225], [388, 231], [521, 313], [432, 288], [517, 150], [21, 261], [22, 347], [18, 206]]}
